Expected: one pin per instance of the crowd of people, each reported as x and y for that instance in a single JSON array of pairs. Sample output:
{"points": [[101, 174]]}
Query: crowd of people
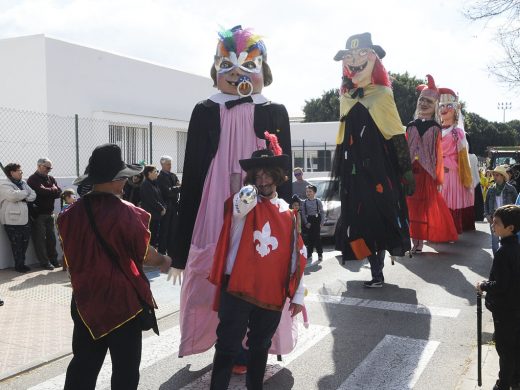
{"points": [[229, 228]]}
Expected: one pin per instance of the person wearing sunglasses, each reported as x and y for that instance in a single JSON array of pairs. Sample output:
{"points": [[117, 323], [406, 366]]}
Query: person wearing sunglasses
{"points": [[41, 212], [299, 186]]}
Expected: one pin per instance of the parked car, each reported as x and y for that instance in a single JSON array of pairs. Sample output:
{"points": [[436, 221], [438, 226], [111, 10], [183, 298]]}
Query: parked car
{"points": [[502, 155], [332, 208]]}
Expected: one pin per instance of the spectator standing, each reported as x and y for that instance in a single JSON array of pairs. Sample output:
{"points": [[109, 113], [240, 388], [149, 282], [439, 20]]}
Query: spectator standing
{"points": [[299, 186], [152, 201], [41, 212], [132, 189], [14, 213], [106, 242], [313, 218], [502, 292], [499, 194], [169, 185]]}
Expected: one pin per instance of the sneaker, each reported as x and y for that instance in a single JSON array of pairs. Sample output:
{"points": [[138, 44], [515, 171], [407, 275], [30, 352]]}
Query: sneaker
{"points": [[320, 258], [373, 284], [21, 269], [239, 369], [55, 263], [47, 266]]}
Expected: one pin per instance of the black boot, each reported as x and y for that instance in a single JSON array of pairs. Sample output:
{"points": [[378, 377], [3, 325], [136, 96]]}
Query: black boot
{"points": [[221, 373], [256, 369]]}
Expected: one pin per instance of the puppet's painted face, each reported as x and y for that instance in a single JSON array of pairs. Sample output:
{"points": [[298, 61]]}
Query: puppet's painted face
{"points": [[425, 107], [447, 113], [239, 75], [358, 65]]}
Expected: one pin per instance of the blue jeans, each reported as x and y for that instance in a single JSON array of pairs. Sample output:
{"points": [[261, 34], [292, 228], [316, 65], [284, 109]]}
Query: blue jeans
{"points": [[377, 262], [495, 240]]}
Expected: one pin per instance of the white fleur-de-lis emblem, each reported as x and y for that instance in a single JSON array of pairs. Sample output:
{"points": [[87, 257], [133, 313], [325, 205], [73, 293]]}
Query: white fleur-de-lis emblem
{"points": [[265, 240]]}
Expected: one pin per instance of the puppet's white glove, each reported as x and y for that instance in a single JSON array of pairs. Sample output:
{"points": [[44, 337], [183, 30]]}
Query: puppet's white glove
{"points": [[175, 273]]}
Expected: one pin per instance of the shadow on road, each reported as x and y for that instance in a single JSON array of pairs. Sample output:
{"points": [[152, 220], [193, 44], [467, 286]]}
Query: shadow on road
{"points": [[444, 268], [358, 329]]}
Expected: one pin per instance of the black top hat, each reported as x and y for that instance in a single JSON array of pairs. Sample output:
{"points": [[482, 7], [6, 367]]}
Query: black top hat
{"points": [[360, 41], [265, 158], [106, 165]]}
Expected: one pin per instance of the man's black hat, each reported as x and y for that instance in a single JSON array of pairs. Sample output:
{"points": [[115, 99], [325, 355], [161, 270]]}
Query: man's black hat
{"points": [[106, 165], [360, 41], [265, 158]]}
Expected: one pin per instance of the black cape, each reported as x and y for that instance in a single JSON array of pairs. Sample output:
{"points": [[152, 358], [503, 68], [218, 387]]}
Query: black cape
{"points": [[201, 147], [373, 205]]}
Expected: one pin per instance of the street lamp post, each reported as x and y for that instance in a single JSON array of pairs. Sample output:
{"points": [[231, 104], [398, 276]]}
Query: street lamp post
{"points": [[504, 106]]}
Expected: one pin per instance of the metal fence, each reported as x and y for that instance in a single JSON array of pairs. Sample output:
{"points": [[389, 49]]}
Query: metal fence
{"points": [[68, 141], [312, 156]]}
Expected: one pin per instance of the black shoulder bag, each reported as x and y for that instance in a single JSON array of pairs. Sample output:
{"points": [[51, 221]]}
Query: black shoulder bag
{"points": [[147, 315]]}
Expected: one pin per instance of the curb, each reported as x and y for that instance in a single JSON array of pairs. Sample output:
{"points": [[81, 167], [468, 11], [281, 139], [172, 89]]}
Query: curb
{"points": [[50, 359]]}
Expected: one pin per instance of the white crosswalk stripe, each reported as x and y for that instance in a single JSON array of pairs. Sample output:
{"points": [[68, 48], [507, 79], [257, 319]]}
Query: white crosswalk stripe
{"points": [[154, 349], [307, 338], [396, 363], [384, 305]]}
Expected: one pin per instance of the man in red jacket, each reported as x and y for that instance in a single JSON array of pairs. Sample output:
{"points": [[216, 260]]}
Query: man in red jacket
{"points": [[110, 292]]}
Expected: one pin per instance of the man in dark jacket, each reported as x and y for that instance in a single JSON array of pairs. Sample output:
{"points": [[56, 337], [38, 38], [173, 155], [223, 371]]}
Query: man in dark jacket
{"points": [[169, 185], [152, 201], [47, 191], [502, 295]]}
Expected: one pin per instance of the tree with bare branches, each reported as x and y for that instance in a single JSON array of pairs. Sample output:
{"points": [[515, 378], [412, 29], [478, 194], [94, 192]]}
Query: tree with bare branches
{"points": [[506, 69]]}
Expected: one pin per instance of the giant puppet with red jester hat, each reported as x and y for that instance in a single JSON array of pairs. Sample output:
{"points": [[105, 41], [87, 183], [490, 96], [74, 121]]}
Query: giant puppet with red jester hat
{"points": [[371, 169], [430, 218], [224, 129]]}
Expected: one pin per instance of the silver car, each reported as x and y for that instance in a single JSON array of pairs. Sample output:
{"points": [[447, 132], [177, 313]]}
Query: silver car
{"points": [[332, 208]]}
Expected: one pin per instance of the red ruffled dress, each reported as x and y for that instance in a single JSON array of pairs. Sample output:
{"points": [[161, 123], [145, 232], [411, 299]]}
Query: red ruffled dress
{"points": [[430, 218]]}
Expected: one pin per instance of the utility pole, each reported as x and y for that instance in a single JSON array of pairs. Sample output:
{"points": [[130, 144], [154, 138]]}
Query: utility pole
{"points": [[504, 106]]}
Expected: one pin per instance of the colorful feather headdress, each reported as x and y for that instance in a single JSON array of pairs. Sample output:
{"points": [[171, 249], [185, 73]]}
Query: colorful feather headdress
{"points": [[240, 40]]}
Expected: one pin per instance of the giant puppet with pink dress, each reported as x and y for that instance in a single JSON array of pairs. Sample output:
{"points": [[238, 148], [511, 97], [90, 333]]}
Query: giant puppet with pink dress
{"points": [[457, 189], [429, 216], [224, 129]]}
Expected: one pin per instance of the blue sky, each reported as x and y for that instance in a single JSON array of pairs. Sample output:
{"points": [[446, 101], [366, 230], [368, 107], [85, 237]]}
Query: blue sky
{"points": [[301, 37]]}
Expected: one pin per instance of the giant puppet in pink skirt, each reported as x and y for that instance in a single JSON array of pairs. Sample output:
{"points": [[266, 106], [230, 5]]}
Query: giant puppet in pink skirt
{"points": [[457, 189], [429, 216], [225, 128]]}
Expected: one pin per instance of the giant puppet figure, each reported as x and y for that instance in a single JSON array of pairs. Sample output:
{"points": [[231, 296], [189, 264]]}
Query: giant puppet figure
{"points": [[430, 218], [224, 129], [457, 189], [372, 161]]}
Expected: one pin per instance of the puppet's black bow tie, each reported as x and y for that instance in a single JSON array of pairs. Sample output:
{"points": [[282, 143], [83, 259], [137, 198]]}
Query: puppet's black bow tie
{"points": [[358, 92], [233, 103]]}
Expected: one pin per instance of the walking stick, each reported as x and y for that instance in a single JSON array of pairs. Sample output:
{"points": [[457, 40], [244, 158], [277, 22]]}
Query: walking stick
{"points": [[479, 338]]}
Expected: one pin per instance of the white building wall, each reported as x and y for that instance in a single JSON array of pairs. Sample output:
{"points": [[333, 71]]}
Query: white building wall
{"points": [[82, 81]]}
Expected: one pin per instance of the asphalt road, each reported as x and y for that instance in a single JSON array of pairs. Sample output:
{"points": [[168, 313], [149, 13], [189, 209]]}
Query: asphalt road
{"points": [[418, 331]]}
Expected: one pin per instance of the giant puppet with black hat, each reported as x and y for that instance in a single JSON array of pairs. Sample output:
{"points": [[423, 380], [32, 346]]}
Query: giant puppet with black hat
{"points": [[430, 218], [457, 189], [258, 268], [224, 129], [371, 169]]}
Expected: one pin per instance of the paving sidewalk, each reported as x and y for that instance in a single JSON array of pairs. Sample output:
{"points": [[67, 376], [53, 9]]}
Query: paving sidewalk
{"points": [[469, 381], [35, 322]]}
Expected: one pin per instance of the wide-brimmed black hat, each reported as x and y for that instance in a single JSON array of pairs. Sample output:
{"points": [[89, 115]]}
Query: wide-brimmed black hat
{"points": [[106, 165], [265, 158], [360, 41]]}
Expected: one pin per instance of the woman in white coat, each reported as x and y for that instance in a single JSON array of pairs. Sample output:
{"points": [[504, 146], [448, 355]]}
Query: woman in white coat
{"points": [[14, 213]]}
